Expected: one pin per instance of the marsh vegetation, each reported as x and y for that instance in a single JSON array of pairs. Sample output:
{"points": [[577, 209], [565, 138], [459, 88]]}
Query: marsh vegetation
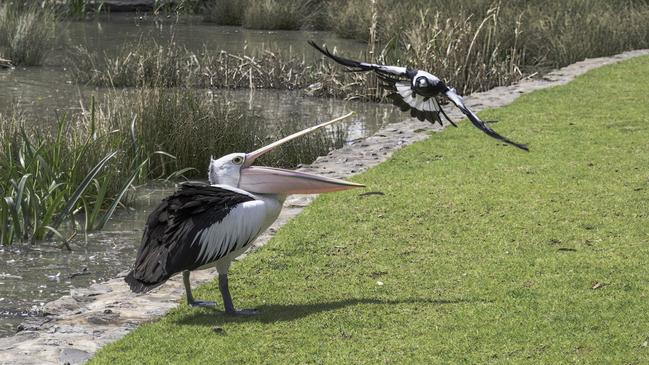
{"points": [[26, 32], [76, 175], [474, 45]]}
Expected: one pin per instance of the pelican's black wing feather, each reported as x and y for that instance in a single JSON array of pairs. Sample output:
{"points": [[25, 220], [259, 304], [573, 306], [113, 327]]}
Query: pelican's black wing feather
{"points": [[167, 240]]}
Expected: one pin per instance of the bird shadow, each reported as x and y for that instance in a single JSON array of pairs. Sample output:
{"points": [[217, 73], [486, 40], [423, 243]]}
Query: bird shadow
{"points": [[271, 313]]}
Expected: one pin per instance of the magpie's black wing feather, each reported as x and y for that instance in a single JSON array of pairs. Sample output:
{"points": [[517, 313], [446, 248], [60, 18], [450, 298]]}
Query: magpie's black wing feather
{"points": [[459, 102], [355, 65]]}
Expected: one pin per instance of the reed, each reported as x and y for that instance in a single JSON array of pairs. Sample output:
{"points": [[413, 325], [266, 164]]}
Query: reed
{"points": [[267, 14], [224, 12], [473, 44], [50, 179], [171, 65], [193, 125], [74, 177], [26, 33]]}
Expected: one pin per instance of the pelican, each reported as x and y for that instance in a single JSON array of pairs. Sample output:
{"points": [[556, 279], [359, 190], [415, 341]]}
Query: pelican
{"points": [[208, 225], [417, 91]]}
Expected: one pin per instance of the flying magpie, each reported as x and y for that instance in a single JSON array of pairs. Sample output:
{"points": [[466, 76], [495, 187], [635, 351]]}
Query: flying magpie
{"points": [[417, 91]]}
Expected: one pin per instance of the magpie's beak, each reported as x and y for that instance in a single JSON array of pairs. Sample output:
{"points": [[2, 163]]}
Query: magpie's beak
{"points": [[269, 180]]}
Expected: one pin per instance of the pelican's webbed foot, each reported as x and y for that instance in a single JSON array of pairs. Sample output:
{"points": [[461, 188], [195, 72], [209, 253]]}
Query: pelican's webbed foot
{"points": [[201, 303]]}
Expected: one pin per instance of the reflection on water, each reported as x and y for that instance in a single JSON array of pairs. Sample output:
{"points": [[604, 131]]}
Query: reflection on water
{"points": [[274, 105], [29, 277]]}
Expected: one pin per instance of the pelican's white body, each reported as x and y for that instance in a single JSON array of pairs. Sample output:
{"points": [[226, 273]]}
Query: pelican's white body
{"points": [[238, 229]]}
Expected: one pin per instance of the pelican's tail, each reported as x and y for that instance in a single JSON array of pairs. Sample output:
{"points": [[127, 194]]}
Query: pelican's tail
{"points": [[138, 286]]}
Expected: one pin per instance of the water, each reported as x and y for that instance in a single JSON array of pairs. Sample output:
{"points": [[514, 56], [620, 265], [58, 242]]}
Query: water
{"points": [[44, 90], [32, 276]]}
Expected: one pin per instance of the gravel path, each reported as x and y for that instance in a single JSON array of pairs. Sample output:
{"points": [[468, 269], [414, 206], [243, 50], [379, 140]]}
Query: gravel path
{"points": [[75, 326]]}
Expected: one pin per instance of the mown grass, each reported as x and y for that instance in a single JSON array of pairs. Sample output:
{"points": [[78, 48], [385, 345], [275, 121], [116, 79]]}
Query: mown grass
{"points": [[486, 254], [26, 32]]}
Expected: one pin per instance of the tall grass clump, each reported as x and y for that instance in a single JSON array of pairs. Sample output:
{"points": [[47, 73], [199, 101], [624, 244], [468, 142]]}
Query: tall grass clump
{"points": [[582, 29], [281, 14], [26, 33], [193, 125], [476, 45], [48, 179], [172, 65], [267, 14], [469, 54], [224, 12]]}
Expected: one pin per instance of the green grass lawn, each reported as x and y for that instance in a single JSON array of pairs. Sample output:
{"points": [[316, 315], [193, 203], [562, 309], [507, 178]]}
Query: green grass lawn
{"points": [[486, 254]]}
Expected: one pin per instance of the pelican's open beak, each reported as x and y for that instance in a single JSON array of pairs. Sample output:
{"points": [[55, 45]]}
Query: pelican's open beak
{"points": [[269, 180]]}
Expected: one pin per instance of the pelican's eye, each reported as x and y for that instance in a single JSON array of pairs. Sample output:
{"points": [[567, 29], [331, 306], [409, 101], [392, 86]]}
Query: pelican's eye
{"points": [[237, 160]]}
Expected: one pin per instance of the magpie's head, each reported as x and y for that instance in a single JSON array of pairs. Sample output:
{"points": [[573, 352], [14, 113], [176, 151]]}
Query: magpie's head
{"points": [[423, 82], [428, 85]]}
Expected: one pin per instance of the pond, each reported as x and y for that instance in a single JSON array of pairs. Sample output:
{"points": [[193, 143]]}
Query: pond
{"points": [[32, 276]]}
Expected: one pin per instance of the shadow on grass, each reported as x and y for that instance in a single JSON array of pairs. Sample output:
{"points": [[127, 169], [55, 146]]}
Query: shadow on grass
{"points": [[270, 313]]}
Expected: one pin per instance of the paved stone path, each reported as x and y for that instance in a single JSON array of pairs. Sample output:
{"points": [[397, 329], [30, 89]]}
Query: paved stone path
{"points": [[75, 326]]}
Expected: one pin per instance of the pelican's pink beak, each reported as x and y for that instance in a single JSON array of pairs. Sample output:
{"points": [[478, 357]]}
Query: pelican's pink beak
{"points": [[269, 180]]}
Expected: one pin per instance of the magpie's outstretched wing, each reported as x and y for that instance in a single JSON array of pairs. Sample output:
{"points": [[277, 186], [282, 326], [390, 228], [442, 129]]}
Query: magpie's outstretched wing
{"points": [[357, 66], [459, 102]]}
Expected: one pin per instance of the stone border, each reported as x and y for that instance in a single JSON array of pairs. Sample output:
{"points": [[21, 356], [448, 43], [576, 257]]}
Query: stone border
{"points": [[75, 326]]}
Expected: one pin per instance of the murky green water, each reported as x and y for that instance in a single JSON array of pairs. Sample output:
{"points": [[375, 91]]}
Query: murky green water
{"points": [[32, 276]]}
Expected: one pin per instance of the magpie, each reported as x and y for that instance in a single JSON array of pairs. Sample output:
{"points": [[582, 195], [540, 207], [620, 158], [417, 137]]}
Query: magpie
{"points": [[417, 91]]}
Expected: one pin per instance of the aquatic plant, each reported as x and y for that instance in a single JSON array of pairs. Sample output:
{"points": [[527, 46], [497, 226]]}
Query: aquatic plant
{"points": [[193, 125], [50, 178], [474, 44], [224, 12], [75, 177], [267, 14], [26, 33], [281, 14]]}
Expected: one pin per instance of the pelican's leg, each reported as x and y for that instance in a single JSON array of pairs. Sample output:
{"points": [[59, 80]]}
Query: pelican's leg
{"points": [[227, 299], [190, 298]]}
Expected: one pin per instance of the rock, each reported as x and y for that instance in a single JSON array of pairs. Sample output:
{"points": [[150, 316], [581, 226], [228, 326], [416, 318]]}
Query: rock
{"points": [[5, 63], [61, 305], [103, 318], [73, 356]]}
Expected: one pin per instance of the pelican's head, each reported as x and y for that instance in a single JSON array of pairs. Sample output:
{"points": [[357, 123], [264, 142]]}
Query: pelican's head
{"points": [[227, 169], [236, 170]]}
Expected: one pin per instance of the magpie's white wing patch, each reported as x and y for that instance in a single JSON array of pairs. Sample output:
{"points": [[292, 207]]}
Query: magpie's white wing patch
{"points": [[422, 108]]}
